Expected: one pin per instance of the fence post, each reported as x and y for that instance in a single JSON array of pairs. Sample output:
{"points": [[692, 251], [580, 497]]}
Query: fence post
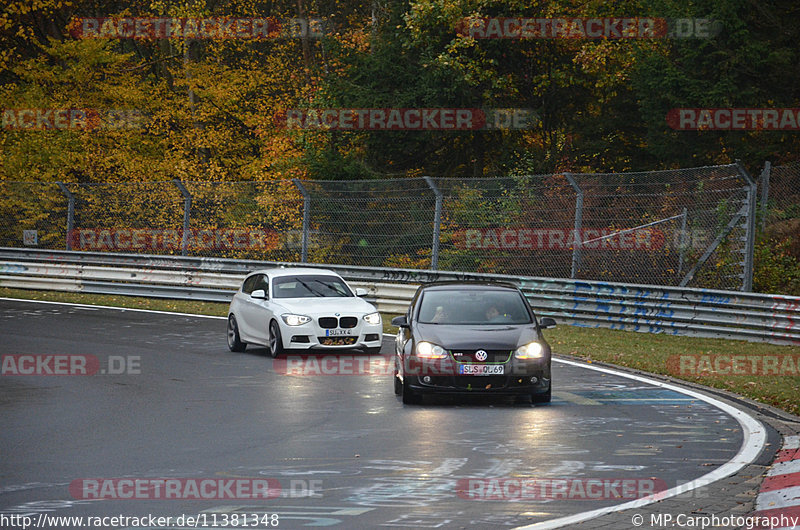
{"points": [[577, 237], [437, 221], [750, 234], [765, 193], [682, 244], [70, 212], [306, 218], [187, 207]]}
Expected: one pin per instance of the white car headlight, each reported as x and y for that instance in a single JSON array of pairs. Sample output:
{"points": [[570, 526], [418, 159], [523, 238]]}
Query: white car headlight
{"points": [[428, 350], [532, 350], [295, 320], [373, 318]]}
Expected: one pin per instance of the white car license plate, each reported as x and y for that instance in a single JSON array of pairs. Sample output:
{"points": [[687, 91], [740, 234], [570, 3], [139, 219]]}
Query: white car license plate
{"points": [[481, 369], [338, 332]]}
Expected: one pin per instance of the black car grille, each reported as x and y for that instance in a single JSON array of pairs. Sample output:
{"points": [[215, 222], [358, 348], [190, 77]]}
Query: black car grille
{"points": [[348, 322], [328, 322], [492, 356], [332, 322], [480, 382]]}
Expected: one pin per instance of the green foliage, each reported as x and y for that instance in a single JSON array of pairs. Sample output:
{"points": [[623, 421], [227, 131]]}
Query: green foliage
{"points": [[776, 269]]}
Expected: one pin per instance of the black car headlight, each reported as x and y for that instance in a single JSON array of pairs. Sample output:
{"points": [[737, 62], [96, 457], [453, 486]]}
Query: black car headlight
{"points": [[532, 350], [429, 350]]}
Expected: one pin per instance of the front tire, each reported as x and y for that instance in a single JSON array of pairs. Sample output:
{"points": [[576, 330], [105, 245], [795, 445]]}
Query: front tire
{"points": [[543, 397], [275, 340], [410, 397], [235, 343]]}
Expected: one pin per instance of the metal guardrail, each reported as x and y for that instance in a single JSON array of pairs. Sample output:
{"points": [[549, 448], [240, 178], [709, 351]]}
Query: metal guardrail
{"points": [[643, 308]]}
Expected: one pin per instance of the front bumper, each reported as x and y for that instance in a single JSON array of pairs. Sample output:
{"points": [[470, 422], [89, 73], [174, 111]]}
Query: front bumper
{"points": [[312, 335], [531, 377]]}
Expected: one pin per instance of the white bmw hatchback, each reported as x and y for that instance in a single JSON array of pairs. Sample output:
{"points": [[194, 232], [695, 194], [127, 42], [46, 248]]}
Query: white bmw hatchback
{"points": [[302, 309]]}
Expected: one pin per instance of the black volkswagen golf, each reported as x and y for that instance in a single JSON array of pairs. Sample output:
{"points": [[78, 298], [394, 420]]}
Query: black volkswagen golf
{"points": [[471, 337]]}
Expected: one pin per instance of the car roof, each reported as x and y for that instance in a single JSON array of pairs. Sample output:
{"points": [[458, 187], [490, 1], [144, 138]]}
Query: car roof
{"points": [[294, 271], [468, 285]]}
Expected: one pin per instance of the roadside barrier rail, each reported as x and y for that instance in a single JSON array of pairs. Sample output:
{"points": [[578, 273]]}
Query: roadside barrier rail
{"points": [[643, 308]]}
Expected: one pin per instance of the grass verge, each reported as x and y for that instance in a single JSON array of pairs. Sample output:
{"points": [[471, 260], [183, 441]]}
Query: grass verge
{"points": [[642, 351]]}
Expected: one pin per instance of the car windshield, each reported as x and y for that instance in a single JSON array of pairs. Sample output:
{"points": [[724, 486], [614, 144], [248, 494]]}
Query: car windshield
{"points": [[310, 287], [473, 307]]}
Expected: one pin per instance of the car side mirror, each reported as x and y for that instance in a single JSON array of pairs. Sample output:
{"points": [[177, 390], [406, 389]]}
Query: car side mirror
{"points": [[360, 291], [547, 323], [259, 294], [400, 321]]}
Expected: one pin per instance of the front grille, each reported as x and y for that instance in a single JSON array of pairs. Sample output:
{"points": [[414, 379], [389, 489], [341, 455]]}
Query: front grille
{"points": [[328, 322], [337, 341], [477, 382], [492, 356], [348, 322]]}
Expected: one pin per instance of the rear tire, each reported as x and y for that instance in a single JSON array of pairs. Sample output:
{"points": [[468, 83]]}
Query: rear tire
{"points": [[235, 343], [275, 340]]}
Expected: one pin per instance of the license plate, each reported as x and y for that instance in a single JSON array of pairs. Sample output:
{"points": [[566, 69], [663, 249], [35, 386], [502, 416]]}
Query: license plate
{"points": [[337, 332], [481, 369]]}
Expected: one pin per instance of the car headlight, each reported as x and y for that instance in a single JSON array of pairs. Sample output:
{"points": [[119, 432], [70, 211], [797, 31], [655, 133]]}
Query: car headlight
{"points": [[532, 350], [373, 318], [428, 350], [295, 320]]}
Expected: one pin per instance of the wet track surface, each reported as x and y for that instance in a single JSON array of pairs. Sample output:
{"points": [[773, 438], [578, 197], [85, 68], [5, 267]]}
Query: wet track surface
{"points": [[197, 410]]}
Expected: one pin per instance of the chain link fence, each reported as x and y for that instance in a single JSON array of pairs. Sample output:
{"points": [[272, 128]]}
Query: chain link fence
{"points": [[691, 227]]}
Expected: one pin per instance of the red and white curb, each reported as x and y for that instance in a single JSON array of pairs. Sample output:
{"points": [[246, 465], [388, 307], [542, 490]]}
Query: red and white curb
{"points": [[779, 496]]}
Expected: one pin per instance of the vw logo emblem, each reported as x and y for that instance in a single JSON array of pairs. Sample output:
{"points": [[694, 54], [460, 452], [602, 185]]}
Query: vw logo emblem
{"points": [[481, 355]]}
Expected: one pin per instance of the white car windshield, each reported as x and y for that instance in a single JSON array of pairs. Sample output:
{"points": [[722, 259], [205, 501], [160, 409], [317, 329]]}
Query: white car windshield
{"points": [[310, 286]]}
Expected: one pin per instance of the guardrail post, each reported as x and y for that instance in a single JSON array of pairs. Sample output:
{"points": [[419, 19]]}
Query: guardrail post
{"points": [[306, 219], [187, 207], [750, 229], [70, 212], [577, 237], [437, 221], [765, 193]]}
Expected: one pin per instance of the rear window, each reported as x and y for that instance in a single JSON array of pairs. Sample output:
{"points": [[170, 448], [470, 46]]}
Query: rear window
{"points": [[473, 308]]}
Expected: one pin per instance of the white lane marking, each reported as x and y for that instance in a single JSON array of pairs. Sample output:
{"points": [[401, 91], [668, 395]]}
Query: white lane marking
{"points": [[783, 498], [754, 439], [791, 442], [92, 306]]}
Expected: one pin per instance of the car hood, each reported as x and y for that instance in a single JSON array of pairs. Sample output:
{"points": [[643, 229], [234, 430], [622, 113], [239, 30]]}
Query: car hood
{"points": [[351, 305], [450, 337]]}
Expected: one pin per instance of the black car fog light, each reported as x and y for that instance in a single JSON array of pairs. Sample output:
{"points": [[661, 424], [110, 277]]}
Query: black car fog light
{"points": [[426, 379]]}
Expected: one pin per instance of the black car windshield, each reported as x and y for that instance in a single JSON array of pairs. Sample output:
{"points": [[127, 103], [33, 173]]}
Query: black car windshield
{"points": [[309, 287], [473, 307]]}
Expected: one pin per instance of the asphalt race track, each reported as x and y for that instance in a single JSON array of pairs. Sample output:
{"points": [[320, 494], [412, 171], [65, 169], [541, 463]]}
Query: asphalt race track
{"points": [[343, 448]]}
